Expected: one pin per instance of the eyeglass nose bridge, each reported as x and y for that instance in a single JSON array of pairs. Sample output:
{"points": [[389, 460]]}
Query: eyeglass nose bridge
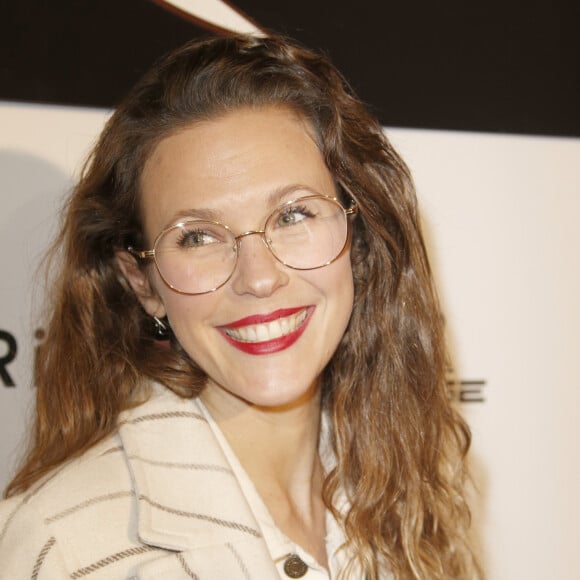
{"points": [[262, 233]]}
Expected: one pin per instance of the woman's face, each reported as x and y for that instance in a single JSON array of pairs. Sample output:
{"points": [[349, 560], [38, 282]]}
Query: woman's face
{"points": [[238, 168]]}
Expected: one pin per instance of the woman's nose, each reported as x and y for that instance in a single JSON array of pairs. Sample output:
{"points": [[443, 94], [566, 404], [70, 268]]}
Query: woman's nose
{"points": [[257, 271]]}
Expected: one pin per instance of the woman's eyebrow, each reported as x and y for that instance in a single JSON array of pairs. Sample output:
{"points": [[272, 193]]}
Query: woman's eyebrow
{"points": [[274, 198], [203, 213]]}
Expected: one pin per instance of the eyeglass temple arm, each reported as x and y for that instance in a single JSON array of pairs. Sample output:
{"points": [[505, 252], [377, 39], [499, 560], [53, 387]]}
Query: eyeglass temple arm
{"points": [[353, 209], [143, 254]]}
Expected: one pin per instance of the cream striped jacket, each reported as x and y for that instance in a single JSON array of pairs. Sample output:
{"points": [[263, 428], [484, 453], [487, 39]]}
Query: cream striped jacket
{"points": [[157, 500]]}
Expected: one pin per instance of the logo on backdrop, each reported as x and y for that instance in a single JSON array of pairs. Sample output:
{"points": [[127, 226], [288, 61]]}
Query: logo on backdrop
{"points": [[465, 390], [9, 349], [9, 352]]}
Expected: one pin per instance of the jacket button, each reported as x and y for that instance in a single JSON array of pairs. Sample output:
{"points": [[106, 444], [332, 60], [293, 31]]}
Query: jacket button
{"points": [[294, 567]]}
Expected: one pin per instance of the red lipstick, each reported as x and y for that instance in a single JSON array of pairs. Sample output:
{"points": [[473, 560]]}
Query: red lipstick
{"points": [[278, 344], [263, 318]]}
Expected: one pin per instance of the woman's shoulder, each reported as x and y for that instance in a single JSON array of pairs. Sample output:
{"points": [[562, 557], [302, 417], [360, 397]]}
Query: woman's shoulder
{"points": [[92, 473], [67, 507], [99, 472]]}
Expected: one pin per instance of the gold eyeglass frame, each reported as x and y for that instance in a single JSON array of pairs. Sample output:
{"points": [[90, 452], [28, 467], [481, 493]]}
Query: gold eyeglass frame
{"points": [[352, 210]]}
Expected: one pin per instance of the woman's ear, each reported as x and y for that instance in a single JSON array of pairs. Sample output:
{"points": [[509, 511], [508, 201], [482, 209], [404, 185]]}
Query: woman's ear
{"points": [[140, 284]]}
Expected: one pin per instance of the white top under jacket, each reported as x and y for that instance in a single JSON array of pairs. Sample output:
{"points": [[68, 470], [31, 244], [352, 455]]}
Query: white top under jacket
{"points": [[162, 498]]}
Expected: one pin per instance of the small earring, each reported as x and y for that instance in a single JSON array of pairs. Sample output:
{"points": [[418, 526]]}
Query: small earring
{"points": [[162, 330]]}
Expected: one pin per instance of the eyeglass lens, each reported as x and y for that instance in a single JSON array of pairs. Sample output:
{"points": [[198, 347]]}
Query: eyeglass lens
{"points": [[195, 257]]}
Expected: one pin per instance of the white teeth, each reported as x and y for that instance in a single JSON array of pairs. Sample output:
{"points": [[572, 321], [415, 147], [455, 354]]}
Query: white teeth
{"points": [[269, 330], [262, 332], [284, 326]]}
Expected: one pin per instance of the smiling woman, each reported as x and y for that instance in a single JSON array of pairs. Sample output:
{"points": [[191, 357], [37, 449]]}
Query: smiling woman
{"points": [[239, 167], [244, 370]]}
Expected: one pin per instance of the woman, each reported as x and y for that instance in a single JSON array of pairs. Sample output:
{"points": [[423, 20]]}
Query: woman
{"points": [[243, 375]]}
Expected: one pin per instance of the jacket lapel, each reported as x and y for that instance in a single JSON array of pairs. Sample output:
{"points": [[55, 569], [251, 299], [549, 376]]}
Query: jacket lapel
{"points": [[188, 499]]}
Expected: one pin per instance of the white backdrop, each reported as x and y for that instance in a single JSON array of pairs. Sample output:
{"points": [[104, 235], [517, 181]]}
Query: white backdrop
{"points": [[501, 216]]}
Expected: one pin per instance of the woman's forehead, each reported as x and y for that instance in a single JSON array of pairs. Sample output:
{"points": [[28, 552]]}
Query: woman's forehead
{"points": [[243, 160]]}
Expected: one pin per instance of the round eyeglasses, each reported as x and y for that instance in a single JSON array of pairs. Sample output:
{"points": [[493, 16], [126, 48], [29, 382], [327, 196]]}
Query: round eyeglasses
{"points": [[200, 256]]}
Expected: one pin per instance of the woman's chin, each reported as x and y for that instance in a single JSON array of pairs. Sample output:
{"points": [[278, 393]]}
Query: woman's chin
{"points": [[267, 396]]}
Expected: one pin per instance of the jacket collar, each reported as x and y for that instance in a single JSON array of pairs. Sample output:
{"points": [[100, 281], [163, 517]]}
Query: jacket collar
{"points": [[187, 495]]}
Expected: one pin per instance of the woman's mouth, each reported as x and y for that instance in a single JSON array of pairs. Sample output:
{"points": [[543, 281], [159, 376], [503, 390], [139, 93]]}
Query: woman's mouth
{"points": [[265, 334]]}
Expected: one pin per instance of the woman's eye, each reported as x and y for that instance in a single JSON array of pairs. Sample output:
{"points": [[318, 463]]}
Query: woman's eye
{"points": [[196, 239], [293, 215]]}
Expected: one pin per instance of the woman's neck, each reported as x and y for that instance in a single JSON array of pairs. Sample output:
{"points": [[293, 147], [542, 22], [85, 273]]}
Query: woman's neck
{"points": [[279, 444], [278, 448]]}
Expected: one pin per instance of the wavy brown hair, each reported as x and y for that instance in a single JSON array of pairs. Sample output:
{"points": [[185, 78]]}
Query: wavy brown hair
{"points": [[400, 446]]}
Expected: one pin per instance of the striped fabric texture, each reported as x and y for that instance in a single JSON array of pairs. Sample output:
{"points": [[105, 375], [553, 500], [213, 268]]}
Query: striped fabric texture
{"points": [[157, 500]]}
